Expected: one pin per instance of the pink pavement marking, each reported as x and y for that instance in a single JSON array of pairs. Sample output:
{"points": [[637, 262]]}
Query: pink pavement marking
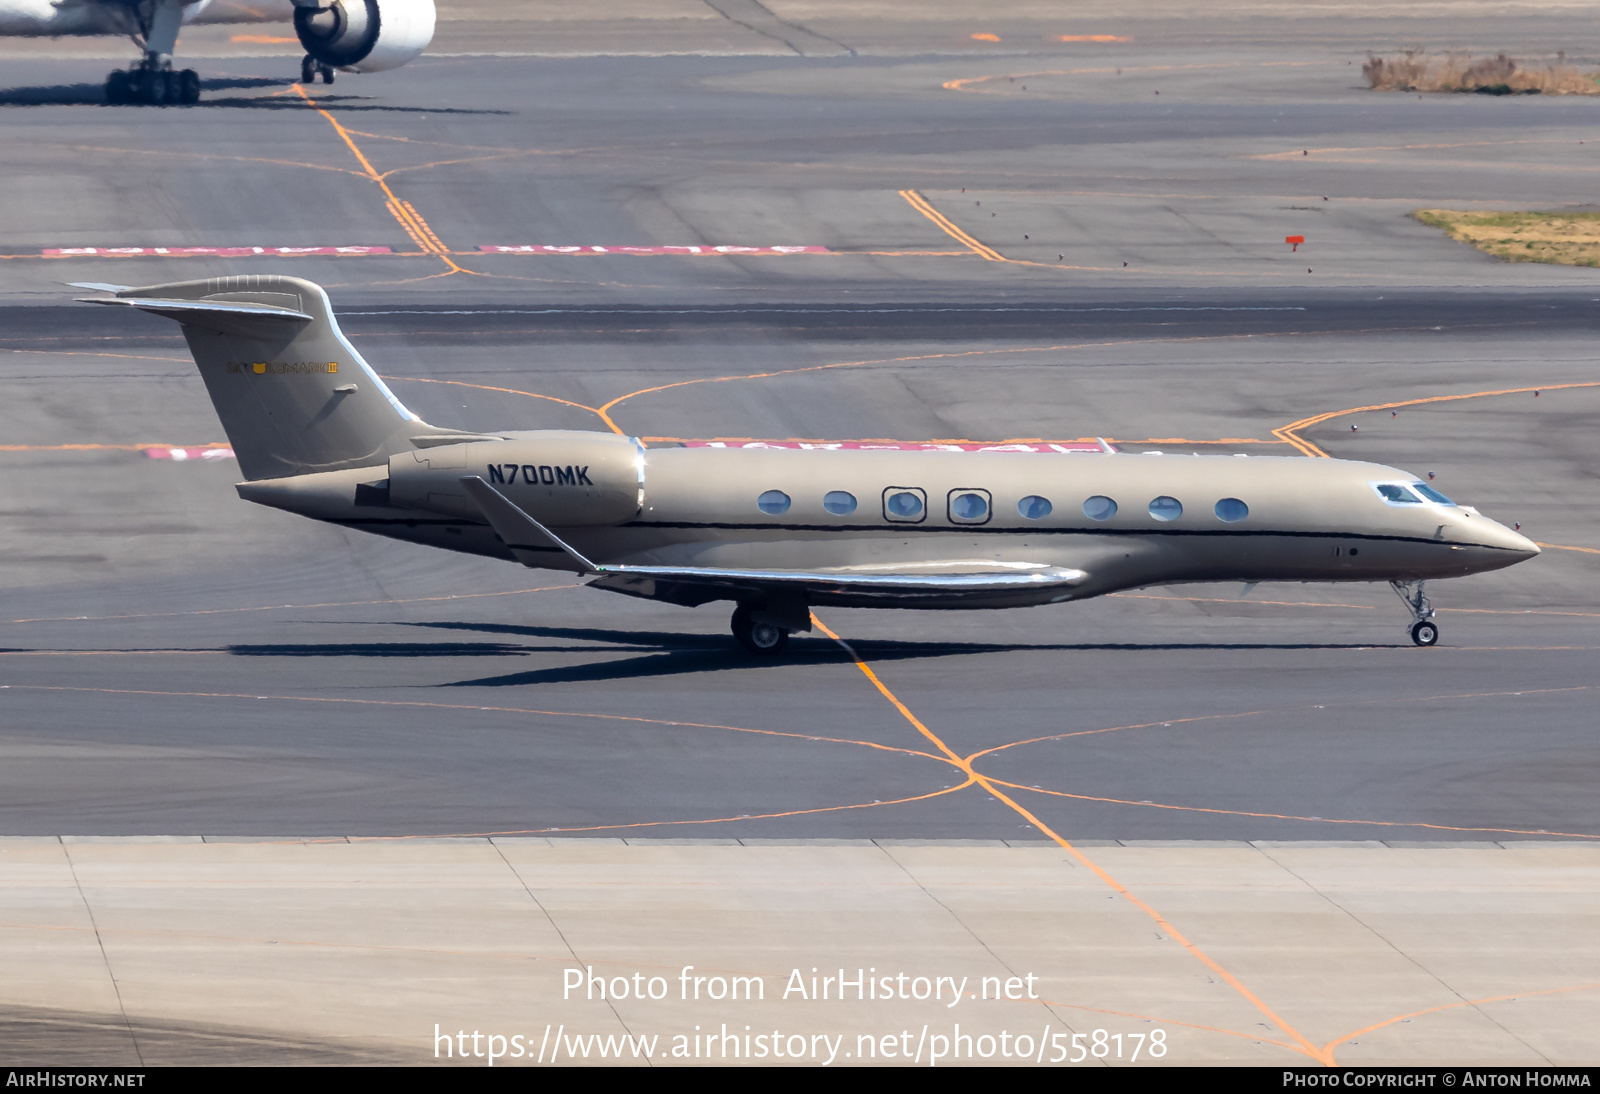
{"points": [[216, 252], [906, 446], [706, 249], [181, 454]]}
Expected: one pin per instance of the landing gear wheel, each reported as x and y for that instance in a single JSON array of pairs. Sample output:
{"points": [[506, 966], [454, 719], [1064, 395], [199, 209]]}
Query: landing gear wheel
{"points": [[760, 638], [327, 73], [119, 88], [1424, 633], [308, 70], [152, 86], [188, 87]]}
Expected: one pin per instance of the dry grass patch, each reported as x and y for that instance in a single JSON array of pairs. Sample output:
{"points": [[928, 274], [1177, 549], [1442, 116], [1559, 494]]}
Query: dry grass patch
{"points": [[1567, 239], [1414, 70]]}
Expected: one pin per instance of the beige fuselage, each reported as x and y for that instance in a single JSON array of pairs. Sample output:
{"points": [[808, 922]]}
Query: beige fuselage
{"points": [[699, 507]]}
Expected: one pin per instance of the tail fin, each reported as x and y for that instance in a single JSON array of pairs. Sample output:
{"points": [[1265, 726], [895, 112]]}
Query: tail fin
{"points": [[293, 395]]}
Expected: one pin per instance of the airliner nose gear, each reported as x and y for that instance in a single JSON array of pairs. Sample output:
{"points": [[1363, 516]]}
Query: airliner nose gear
{"points": [[311, 68], [1424, 632]]}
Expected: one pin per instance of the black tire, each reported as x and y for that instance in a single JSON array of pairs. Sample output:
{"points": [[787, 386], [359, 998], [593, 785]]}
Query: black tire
{"points": [[327, 74], [308, 71], [152, 87], [188, 87], [118, 88], [1424, 633], [761, 639]]}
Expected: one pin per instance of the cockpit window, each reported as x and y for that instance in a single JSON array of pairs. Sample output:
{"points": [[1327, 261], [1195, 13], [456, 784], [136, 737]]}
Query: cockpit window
{"points": [[1430, 493], [1395, 494]]}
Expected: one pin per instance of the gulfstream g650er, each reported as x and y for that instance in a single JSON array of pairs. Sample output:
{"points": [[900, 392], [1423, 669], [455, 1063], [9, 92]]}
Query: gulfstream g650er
{"points": [[318, 433]]}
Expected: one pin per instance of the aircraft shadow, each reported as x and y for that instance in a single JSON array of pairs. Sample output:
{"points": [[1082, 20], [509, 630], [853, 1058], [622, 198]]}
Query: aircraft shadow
{"points": [[95, 95], [682, 654], [381, 649]]}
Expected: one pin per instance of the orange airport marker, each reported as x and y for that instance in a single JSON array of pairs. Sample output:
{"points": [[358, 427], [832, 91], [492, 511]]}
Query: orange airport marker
{"points": [[1294, 241]]}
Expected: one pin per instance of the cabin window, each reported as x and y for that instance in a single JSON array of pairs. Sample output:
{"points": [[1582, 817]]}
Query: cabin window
{"points": [[1099, 507], [1034, 507], [905, 504], [1430, 493], [839, 502], [1165, 508], [1395, 494], [773, 502], [1231, 510], [969, 505]]}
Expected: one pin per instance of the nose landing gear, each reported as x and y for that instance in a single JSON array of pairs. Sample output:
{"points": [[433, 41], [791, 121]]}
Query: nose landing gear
{"points": [[1424, 632], [311, 68]]}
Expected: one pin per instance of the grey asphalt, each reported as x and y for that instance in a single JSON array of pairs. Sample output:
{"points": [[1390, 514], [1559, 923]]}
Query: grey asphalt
{"points": [[174, 660]]}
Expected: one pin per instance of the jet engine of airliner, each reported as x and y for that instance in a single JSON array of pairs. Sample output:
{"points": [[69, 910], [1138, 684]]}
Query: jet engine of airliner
{"points": [[363, 35]]}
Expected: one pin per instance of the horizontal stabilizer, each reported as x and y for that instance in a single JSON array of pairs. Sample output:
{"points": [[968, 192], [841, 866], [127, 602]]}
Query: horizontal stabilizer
{"points": [[220, 316]]}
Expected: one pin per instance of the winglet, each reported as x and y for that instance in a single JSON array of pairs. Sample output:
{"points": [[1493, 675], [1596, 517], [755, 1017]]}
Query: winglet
{"points": [[521, 533]]}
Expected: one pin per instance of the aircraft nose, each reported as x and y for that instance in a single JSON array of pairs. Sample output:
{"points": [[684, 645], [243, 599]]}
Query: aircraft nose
{"points": [[1498, 536]]}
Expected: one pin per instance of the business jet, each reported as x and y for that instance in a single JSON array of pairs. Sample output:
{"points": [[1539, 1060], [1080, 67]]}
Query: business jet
{"points": [[347, 35], [779, 531]]}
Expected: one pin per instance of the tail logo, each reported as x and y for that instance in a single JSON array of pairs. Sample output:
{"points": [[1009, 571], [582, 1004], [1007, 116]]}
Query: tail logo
{"points": [[262, 368]]}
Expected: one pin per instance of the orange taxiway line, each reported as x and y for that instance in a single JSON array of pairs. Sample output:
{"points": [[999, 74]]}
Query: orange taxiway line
{"points": [[920, 204], [1456, 1006], [1292, 816], [280, 607], [473, 706], [407, 217], [1289, 432], [1301, 1043], [646, 824], [1564, 547]]}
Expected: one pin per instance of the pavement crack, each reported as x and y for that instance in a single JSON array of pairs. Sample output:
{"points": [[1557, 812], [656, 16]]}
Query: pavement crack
{"points": [[554, 926], [122, 1008], [755, 16]]}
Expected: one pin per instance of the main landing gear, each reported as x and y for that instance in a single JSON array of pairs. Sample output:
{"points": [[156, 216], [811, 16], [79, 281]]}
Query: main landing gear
{"points": [[1424, 631], [153, 84], [764, 630], [311, 68]]}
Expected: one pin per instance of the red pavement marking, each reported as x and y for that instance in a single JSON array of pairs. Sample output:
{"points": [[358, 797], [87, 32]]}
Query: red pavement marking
{"points": [[552, 249], [190, 252]]}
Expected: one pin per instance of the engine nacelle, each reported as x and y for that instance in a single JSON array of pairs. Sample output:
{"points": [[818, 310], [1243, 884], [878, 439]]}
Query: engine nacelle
{"points": [[365, 35], [563, 479]]}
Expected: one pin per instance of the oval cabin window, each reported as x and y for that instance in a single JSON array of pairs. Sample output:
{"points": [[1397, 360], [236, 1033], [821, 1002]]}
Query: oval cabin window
{"points": [[1099, 507], [969, 507], [904, 505], [1033, 507], [1165, 508], [773, 502], [1232, 510], [839, 502]]}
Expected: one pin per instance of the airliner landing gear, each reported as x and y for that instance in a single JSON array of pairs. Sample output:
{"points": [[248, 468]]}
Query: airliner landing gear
{"points": [[153, 80], [310, 68], [761, 637], [1424, 632], [154, 85]]}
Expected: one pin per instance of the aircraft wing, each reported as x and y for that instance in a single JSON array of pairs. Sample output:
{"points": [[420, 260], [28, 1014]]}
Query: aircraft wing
{"points": [[535, 545]]}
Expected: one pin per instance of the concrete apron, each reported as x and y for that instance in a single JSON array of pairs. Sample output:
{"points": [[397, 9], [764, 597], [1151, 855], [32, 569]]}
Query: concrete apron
{"points": [[160, 950]]}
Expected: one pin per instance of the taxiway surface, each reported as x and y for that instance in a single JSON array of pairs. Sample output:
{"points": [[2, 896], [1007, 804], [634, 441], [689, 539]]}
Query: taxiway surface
{"points": [[180, 662]]}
